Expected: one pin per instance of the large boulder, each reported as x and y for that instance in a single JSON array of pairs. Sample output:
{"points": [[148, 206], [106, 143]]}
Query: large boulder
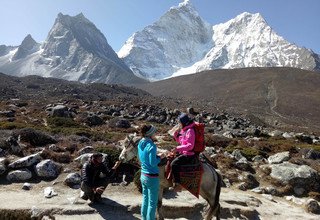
{"points": [[26, 161], [119, 123], [279, 157], [59, 111], [19, 175], [47, 169], [94, 120], [300, 177]]}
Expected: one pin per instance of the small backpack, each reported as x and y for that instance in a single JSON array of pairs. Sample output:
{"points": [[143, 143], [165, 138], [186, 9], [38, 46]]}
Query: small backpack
{"points": [[199, 144]]}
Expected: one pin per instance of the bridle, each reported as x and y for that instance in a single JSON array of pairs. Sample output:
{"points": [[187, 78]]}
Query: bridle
{"points": [[130, 143], [129, 146]]}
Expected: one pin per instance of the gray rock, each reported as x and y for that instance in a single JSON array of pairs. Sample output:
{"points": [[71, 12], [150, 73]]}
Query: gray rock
{"points": [[54, 148], [312, 206], [72, 179], [288, 171], [47, 169], [3, 165], [26, 186], [270, 190], [237, 155], [228, 134], [85, 157], [19, 175], [85, 150], [288, 135], [300, 176], [94, 120], [279, 157], [259, 159], [123, 123], [26, 161], [275, 133], [299, 191], [243, 164], [59, 111], [310, 154], [249, 182]]}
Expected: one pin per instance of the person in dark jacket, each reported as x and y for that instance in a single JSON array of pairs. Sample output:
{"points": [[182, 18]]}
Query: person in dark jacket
{"points": [[91, 183]]}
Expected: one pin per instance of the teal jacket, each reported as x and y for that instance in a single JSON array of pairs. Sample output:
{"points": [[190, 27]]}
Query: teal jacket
{"points": [[147, 152]]}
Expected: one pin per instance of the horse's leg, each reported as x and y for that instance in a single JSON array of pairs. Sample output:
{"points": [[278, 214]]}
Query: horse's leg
{"points": [[210, 191], [159, 207]]}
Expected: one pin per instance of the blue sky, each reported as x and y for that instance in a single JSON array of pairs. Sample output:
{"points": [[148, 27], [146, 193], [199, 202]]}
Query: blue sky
{"points": [[298, 21]]}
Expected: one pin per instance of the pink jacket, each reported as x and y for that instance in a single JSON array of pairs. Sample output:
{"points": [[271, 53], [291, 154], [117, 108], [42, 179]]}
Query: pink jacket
{"points": [[186, 139]]}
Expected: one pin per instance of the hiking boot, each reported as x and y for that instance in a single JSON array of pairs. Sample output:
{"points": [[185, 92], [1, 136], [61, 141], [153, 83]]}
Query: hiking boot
{"points": [[83, 196]]}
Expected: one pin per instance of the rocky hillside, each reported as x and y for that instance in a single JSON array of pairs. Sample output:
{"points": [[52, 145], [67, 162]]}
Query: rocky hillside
{"points": [[281, 97], [40, 89], [46, 134]]}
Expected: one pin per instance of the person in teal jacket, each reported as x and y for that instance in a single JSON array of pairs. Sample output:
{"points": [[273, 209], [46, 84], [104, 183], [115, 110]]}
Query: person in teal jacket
{"points": [[147, 152]]}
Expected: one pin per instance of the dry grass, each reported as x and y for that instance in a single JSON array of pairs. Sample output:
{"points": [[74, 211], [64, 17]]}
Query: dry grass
{"points": [[63, 157]]}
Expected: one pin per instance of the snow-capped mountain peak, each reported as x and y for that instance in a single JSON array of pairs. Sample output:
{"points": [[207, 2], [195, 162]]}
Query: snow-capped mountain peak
{"points": [[27, 47], [180, 43], [74, 49], [152, 52]]}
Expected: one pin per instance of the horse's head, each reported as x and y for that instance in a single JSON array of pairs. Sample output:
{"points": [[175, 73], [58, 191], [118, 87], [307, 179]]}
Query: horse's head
{"points": [[129, 147]]}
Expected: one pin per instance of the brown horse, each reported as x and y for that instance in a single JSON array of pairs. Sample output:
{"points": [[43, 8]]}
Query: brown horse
{"points": [[210, 186]]}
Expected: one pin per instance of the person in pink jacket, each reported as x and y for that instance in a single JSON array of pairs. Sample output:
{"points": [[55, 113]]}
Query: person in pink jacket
{"points": [[186, 138]]}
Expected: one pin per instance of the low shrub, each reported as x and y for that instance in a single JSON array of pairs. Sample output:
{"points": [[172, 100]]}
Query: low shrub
{"points": [[34, 137], [62, 122], [12, 125], [219, 141]]}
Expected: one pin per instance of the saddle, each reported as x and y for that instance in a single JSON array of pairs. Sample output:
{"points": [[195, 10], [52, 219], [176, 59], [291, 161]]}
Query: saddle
{"points": [[190, 175]]}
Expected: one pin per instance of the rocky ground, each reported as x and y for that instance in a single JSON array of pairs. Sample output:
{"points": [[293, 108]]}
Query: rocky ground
{"points": [[44, 140], [67, 205]]}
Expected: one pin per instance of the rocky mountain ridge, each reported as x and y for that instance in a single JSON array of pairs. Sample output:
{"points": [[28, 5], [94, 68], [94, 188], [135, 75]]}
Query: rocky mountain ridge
{"points": [[74, 50]]}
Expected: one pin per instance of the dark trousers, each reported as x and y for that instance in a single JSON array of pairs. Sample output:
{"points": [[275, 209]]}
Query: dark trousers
{"points": [[89, 190], [178, 162]]}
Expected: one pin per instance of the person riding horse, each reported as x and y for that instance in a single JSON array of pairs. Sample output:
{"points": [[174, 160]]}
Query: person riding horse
{"points": [[186, 138]]}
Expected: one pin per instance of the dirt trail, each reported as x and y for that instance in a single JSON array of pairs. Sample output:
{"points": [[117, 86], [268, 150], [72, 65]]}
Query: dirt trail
{"points": [[124, 203]]}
